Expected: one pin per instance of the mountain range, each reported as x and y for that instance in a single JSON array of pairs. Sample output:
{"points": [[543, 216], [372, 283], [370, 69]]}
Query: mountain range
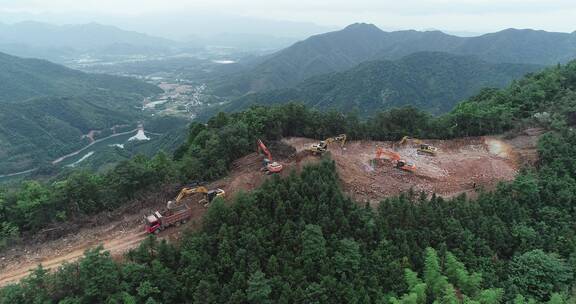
{"points": [[61, 43], [432, 81], [56, 42], [341, 50], [45, 109]]}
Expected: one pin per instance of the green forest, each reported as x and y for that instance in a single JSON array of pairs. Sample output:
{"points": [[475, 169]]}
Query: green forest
{"points": [[352, 47], [46, 108], [300, 239], [430, 81]]}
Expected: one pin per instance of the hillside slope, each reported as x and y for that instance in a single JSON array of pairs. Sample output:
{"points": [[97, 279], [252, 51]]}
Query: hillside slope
{"points": [[357, 43], [46, 108], [27, 78], [431, 81]]}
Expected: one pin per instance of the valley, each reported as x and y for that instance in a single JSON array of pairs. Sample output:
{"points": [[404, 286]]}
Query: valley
{"points": [[181, 100]]}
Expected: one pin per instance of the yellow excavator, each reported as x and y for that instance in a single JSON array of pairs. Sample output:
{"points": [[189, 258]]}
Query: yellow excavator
{"points": [[321, 147], [208, 196], [427, 149], [177, 212], [422, 147], [405, 140]]}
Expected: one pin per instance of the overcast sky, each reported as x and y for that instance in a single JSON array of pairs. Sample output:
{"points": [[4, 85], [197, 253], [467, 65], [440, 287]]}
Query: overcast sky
{"points": [[450, 15]]}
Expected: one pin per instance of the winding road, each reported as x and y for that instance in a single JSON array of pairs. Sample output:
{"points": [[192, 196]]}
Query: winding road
{"points": [[62, 158]]}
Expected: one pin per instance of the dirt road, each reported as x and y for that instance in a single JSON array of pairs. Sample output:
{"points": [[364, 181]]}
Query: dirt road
{"points": [[117, 237], [116, 246], [461, 166]]}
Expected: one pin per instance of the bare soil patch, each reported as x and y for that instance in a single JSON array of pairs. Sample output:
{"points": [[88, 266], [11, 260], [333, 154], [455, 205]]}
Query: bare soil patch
{"points": [[461, 166]]}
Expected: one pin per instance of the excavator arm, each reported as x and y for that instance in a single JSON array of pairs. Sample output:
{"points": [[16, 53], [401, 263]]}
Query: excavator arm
{"points": [[208, 195], [262, 148], [186, 192], [340, 138], [405, 140], [270, 166], [396, 159], [382, 153]]}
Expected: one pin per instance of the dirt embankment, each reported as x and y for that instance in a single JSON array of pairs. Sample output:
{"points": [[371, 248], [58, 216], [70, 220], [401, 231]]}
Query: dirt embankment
{"points": [[460, 166]]}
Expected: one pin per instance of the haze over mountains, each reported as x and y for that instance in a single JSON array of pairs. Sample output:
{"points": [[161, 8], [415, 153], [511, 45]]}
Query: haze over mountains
{"points": [[64, 42], [341, 50], [79, 36], [179, 26], [35, 39]]}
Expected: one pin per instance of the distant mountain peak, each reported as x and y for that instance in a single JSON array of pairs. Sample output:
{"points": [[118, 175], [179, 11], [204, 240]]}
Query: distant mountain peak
{"points": [[527, 30], [362, 27], [516, 30]]}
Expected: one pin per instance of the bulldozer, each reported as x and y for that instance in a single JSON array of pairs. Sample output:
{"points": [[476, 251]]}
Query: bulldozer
{"points": [[322, 147], [427, 149], [396, 159], [208, 196], [269, 166]]}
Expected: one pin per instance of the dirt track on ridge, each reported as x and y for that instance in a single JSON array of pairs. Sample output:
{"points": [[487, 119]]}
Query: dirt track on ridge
{"points": [[460, 166]]}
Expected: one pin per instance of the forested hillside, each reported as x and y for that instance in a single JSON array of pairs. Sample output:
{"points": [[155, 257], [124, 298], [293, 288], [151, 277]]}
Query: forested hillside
{"points": [[299, 239], [46, 108], [30, 78], [357, 43], [433, 82]]}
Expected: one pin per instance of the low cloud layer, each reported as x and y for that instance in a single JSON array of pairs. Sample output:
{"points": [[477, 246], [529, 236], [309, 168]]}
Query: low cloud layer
{"points": [[462, 15]]}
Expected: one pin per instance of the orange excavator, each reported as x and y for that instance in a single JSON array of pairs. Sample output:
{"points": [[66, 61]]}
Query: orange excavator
{"points": [[270, 166], [398, 162]]}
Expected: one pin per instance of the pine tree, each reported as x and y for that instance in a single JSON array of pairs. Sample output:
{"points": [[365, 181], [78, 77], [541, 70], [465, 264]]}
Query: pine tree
{"points": [[258, 289], [428, 291]]}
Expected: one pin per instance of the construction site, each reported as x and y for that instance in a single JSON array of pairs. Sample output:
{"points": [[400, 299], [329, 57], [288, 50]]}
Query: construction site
{"points": [[370, 171]]}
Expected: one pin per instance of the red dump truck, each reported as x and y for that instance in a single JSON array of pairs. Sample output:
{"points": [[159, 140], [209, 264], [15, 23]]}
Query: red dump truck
{"points": [[160, 220]]}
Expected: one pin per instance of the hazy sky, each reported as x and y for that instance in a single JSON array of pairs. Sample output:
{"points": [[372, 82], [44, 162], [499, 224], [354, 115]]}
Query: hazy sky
{"points": [[452, 15]]}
